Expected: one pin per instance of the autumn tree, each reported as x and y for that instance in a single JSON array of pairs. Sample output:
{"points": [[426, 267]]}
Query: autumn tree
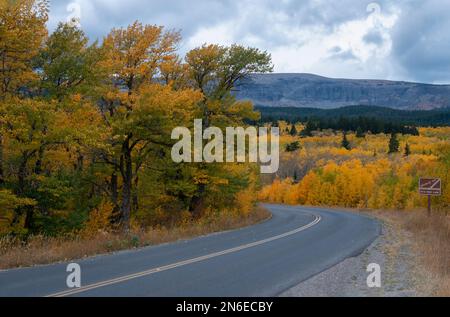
{"points": [[37, 137], [216, 71], [30, 127], [10, 203], [174, 72], [139, 110], [22, 30]]}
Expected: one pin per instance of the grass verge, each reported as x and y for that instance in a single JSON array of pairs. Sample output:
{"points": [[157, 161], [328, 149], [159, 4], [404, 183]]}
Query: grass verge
{"points": [[430, 239], [41, 250]]}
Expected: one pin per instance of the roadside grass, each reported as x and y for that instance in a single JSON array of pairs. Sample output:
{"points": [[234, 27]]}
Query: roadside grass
{"points": [[40, 250], [430, 240]]}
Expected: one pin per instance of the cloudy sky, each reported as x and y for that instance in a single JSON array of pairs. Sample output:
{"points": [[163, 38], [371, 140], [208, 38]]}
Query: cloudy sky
{"points": [[386, 39]]}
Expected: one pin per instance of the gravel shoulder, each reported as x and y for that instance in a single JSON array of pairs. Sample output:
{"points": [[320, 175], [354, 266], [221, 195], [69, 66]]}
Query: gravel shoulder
{"points": [[400, 275]]}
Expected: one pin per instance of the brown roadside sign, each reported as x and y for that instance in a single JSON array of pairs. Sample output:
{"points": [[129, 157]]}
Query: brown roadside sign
{"points": [[430, 186]]}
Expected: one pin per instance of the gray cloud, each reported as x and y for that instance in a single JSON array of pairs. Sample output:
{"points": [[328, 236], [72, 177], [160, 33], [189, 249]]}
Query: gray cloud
{"points": [[99, 16], [344, 55], [297, 30], [421, 41]]}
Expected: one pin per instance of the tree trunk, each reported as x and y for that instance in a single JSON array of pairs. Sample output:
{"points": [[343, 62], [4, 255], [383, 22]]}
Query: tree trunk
{"points": [[28, 217], [80, 162], [127, 174], [38, 165], [115, 192], [2, 176], [22, 173], [197, 203], [135, 194]]}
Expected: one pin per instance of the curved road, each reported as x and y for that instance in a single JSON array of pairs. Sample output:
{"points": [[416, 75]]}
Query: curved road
{"points": [[263, 260]]}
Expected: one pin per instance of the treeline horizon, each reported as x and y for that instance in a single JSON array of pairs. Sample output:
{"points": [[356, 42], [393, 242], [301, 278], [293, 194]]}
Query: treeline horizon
{"points": [[382, 115], [359, 125]]}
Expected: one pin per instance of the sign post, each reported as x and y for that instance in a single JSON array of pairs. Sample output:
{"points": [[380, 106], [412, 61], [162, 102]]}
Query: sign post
{"points": [[430, 187]]}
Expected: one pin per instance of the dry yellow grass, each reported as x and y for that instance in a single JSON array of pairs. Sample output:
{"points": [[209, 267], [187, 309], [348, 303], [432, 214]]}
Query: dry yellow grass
{"points": [[43, 250], [430, 238]]}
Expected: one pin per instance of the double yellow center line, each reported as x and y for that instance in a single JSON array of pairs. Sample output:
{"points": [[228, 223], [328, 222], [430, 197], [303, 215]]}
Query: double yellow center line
{"points": [[122, 279]]}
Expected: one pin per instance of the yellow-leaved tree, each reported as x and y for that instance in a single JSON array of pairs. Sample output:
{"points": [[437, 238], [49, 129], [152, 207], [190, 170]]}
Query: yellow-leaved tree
{"points": [[140, 110], [22, 31]]}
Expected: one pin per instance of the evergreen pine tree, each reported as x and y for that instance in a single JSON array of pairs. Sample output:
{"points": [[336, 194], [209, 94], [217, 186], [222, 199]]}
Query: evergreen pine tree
{"points": [[293, 131], [394, 144], [345, 143], [307, 131], [407, 150], [360, 133], [295, 176]]}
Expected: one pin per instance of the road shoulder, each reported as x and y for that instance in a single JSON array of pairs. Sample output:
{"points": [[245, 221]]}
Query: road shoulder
{"points": [[400, 275]]}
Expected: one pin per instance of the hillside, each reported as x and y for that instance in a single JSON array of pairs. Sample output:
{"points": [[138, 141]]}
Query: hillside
{"points": [[306, 90]]}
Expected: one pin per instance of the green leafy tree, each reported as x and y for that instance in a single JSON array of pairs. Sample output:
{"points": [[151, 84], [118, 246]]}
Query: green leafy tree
{"points": [[216, 71], [67, 64]]}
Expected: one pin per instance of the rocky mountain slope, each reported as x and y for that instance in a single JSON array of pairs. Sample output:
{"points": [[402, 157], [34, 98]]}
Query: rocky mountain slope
{"points": [[307, 90]]}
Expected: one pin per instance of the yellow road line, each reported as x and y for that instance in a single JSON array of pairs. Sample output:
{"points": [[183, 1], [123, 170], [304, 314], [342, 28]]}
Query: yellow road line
{"points": [[183, 263]]}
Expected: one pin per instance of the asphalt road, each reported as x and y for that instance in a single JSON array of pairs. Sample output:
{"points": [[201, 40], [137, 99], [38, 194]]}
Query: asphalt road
{"points": [[263, 260]]}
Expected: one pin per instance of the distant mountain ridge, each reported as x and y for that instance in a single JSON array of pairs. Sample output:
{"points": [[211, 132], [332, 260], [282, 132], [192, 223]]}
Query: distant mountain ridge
{"points": [[308, 90]]}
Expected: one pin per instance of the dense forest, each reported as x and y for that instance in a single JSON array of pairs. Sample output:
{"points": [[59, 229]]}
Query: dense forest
{"points": [[361, 125], [85, 127], [438, 117]]}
